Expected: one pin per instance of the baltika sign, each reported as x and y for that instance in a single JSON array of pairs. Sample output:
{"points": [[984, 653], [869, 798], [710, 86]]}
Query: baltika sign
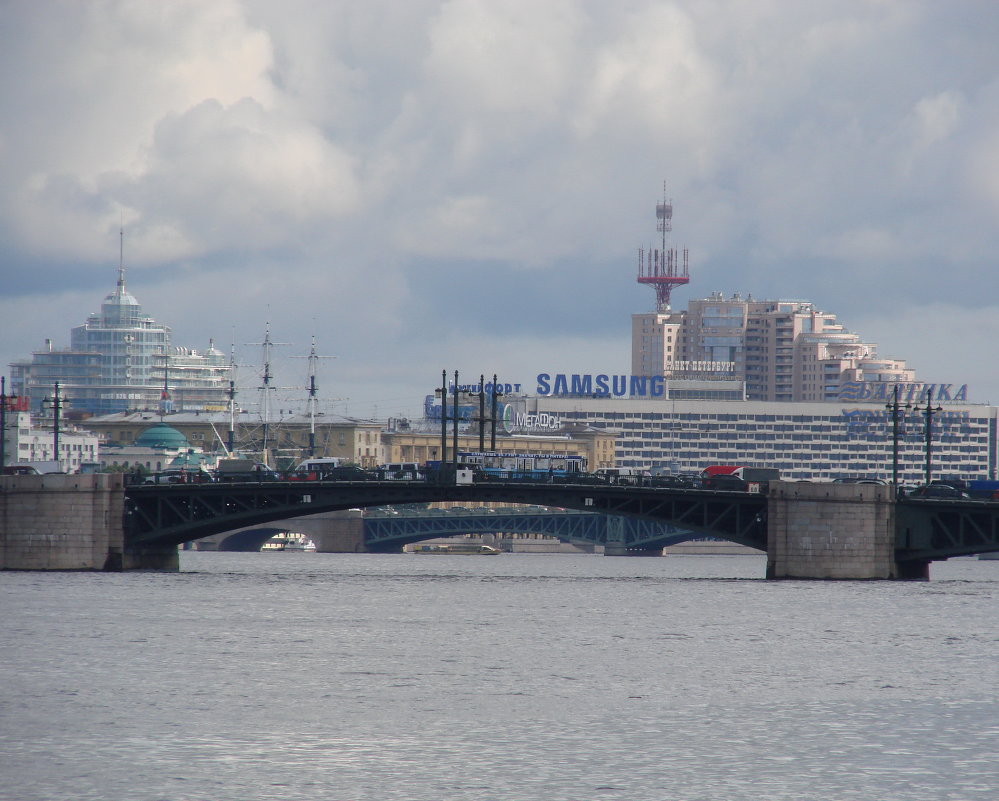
{"points": [[880, 391]]}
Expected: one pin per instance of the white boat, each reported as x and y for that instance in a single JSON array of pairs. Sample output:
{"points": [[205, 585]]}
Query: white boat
{"points": [[289, 542], [459, 549]]}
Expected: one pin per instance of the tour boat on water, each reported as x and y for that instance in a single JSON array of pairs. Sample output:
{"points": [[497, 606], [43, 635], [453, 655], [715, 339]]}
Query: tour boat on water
{"points": [[460, 549], [289, 542]]}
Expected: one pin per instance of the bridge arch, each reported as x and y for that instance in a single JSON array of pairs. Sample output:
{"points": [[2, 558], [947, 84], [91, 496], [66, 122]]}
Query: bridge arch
{"points": [[248, 539], [165, 515]]}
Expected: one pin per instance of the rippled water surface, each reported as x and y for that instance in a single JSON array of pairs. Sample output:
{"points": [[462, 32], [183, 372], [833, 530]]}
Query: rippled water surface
{"points": [[550, 677]]}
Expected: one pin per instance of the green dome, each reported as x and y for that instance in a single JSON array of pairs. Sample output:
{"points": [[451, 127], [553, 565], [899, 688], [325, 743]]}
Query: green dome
{"points": [[162, 436]]}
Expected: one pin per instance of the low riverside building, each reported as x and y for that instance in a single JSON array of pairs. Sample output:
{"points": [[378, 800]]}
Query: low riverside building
{"points": [[405, 442], [367, 443], [808, 441], [28, 440], [158, 447], [286, 439]]}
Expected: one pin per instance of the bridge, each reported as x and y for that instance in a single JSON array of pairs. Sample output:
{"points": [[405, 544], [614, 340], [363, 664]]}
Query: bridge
{"points": [[921, 529], [166, 515], [808, 530]]}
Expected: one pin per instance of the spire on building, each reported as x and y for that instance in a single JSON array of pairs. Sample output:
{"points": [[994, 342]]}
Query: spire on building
{"points": [[121, 260]]}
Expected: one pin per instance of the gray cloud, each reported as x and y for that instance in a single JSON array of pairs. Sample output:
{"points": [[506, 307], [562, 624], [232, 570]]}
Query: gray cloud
{"points": [[464, 184]]}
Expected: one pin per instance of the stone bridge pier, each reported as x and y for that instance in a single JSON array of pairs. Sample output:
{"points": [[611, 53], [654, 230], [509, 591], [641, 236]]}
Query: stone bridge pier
{"points": [[70, 522], [833, 531]]}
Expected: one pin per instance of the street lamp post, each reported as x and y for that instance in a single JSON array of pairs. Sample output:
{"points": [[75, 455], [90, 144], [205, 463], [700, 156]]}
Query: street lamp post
{"points": [[443, 421], [492, 416], [897, 411], [56, 403], [458, 398], [454, 437], [482, 412], [929, 412], [3, 420]]}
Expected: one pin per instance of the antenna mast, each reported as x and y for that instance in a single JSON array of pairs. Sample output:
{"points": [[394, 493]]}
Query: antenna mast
{"points": [[661, 267]]}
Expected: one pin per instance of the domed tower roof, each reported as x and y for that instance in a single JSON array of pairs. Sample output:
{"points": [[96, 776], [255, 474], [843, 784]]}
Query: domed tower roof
{"points": [[162, 436]]}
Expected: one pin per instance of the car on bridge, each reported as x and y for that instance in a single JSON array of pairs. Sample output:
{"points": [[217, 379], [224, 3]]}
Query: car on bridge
{"points": [[726, 483], [672, 482], [20, 470], [233, 470], [577, 478], [625, 476], [346, 472], [179, 476], [935, 490]]}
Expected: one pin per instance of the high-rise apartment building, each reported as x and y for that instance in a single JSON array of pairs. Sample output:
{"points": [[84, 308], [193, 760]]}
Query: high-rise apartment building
{"points": [[784, 350], [121, 359]]}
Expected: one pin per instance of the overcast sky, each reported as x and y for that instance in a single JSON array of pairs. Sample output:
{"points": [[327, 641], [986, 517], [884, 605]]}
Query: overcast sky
{"points": [[425, 185]]}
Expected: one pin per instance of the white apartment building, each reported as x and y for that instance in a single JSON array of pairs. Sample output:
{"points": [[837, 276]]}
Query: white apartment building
{"points": [[24, 443], [816, 440], [121, 359]]}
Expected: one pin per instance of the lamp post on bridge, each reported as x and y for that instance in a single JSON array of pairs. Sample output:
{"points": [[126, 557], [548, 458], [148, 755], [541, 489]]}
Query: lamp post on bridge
{"points": [[55, 402], [929, 412], [3, 420], [897, 412], [491, 419], [466, 397]]}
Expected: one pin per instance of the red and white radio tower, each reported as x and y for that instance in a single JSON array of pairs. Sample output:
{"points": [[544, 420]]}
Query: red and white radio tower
{"points": [[661, 267]]}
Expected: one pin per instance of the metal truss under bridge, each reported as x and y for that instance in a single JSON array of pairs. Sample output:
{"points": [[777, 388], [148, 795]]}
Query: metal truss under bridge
{"points": [[938, 528], [389, 530], [169, 514], [165, 515]]}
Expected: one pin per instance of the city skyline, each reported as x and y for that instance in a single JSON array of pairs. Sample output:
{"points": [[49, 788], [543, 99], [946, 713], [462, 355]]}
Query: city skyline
{"points": [[432, 185]]}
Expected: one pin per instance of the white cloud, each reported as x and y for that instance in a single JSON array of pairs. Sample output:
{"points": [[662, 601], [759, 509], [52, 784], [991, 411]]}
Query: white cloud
{"points": [[369, 170], [514, 59], [652, 77]]}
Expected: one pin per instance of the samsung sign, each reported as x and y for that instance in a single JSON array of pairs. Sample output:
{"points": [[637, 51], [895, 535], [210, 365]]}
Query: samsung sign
{"points": [[602, 385]]}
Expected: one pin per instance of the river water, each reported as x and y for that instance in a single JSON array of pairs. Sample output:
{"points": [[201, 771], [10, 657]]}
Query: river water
{"points": [[521, 676]]}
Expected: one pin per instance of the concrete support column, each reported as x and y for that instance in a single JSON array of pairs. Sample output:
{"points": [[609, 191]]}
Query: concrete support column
{"points": [[335, 532], [62, 522], [831, 531]]}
